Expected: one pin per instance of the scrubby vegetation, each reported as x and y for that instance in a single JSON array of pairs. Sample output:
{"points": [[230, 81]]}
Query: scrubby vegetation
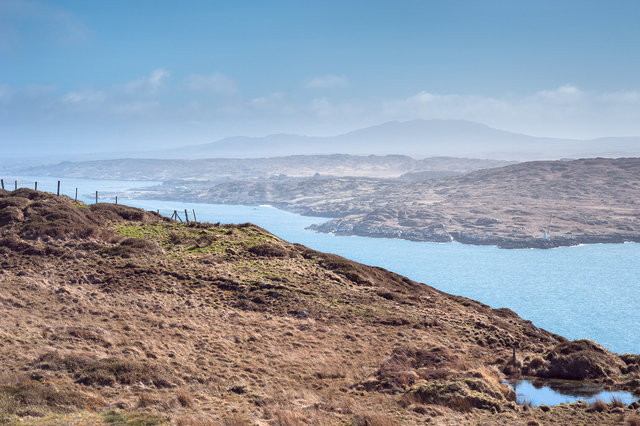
{"points": [[113, 315]]}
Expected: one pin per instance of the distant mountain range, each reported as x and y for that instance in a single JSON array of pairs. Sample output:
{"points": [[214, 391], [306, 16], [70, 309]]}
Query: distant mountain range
{"points": [[417, 138]]}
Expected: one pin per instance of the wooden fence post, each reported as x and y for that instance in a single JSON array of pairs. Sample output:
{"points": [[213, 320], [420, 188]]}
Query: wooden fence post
{"points": [[2, 181], [186, 215], [96, 197], [16, 187], [194, 215], [116, 200], [58, 193], [36, 186], [76, 199]]}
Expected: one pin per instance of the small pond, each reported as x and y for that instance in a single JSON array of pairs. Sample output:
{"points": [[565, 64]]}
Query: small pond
{"points": [[551, 393]]}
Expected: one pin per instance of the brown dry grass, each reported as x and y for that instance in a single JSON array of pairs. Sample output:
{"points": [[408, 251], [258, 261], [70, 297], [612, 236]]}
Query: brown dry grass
{"points": [[615, 402], [185, 398], [210, 332], [236, 420], [633, 421], [374, 420], [599, 406]]}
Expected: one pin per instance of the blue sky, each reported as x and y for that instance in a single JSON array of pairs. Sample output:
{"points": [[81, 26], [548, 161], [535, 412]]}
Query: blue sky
{"points": [[119, 75]]}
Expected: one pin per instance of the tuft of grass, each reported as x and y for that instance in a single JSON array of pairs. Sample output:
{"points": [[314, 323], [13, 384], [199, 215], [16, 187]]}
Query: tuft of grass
{"points": [[118, 418], [236, 419], [599, 406], [373, 420], [615, 402], [536, 362], [633, 421], [269, 250], [146, 400], [104, 372], [194, 421], [133, 246], [461, 404], [25, 397], [290, 418], [331, 372], [184, 398]]}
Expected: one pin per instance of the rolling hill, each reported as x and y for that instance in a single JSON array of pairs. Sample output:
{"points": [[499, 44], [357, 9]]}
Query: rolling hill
{"points": [[114, 315], [417, 138]]}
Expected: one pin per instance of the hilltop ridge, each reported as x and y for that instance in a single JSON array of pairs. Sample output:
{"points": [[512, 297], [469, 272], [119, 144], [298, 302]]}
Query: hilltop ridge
{"points": [[113, 314]]}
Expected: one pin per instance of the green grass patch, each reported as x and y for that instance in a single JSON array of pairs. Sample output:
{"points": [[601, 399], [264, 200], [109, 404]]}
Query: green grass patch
{"points": [[185, 238], [113, 417], [156, 232]]}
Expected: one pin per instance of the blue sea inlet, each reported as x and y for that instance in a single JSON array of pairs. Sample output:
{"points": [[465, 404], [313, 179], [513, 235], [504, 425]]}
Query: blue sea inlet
{"points": [[579, 292], [586, 291]]}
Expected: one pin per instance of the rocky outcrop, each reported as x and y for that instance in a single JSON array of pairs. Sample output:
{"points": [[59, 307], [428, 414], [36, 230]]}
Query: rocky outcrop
{"points": [[376, 230]]}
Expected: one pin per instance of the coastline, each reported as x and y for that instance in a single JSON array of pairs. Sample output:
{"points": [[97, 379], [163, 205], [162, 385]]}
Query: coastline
{"points": [[509, 243], [338, 226]]}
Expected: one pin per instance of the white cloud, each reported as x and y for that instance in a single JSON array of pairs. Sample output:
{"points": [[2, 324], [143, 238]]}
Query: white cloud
{"points": [[629, 97], [328, 81], [566, 111], [563, 94], [215, 83], [321, 107], [268, 101], [84, 96], [148, 85]]}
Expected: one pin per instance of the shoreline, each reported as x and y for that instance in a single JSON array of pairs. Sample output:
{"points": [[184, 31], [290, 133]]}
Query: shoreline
{"points": [[474, 239], [331, 226]]}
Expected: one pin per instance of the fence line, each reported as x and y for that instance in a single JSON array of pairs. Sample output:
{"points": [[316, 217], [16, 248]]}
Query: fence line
{"points": [[175, 215]]}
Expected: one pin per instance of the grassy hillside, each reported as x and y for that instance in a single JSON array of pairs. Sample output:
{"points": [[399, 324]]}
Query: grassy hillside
{"points": [[113, 315]]}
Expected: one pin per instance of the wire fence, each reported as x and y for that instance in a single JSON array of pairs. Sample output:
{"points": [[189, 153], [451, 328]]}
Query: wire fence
{"points": [[15, 184]]}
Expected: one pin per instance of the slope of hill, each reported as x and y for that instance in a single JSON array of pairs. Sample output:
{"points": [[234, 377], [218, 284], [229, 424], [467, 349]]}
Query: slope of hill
{"points": [[115, 315], [417, 138]]}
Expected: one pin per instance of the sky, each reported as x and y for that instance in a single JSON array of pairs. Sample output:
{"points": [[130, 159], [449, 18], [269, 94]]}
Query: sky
{"points": [[84, 76]]}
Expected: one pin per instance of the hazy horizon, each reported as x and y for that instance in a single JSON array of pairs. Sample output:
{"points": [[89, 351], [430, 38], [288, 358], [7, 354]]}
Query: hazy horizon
{"points": [[78, 77]]}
